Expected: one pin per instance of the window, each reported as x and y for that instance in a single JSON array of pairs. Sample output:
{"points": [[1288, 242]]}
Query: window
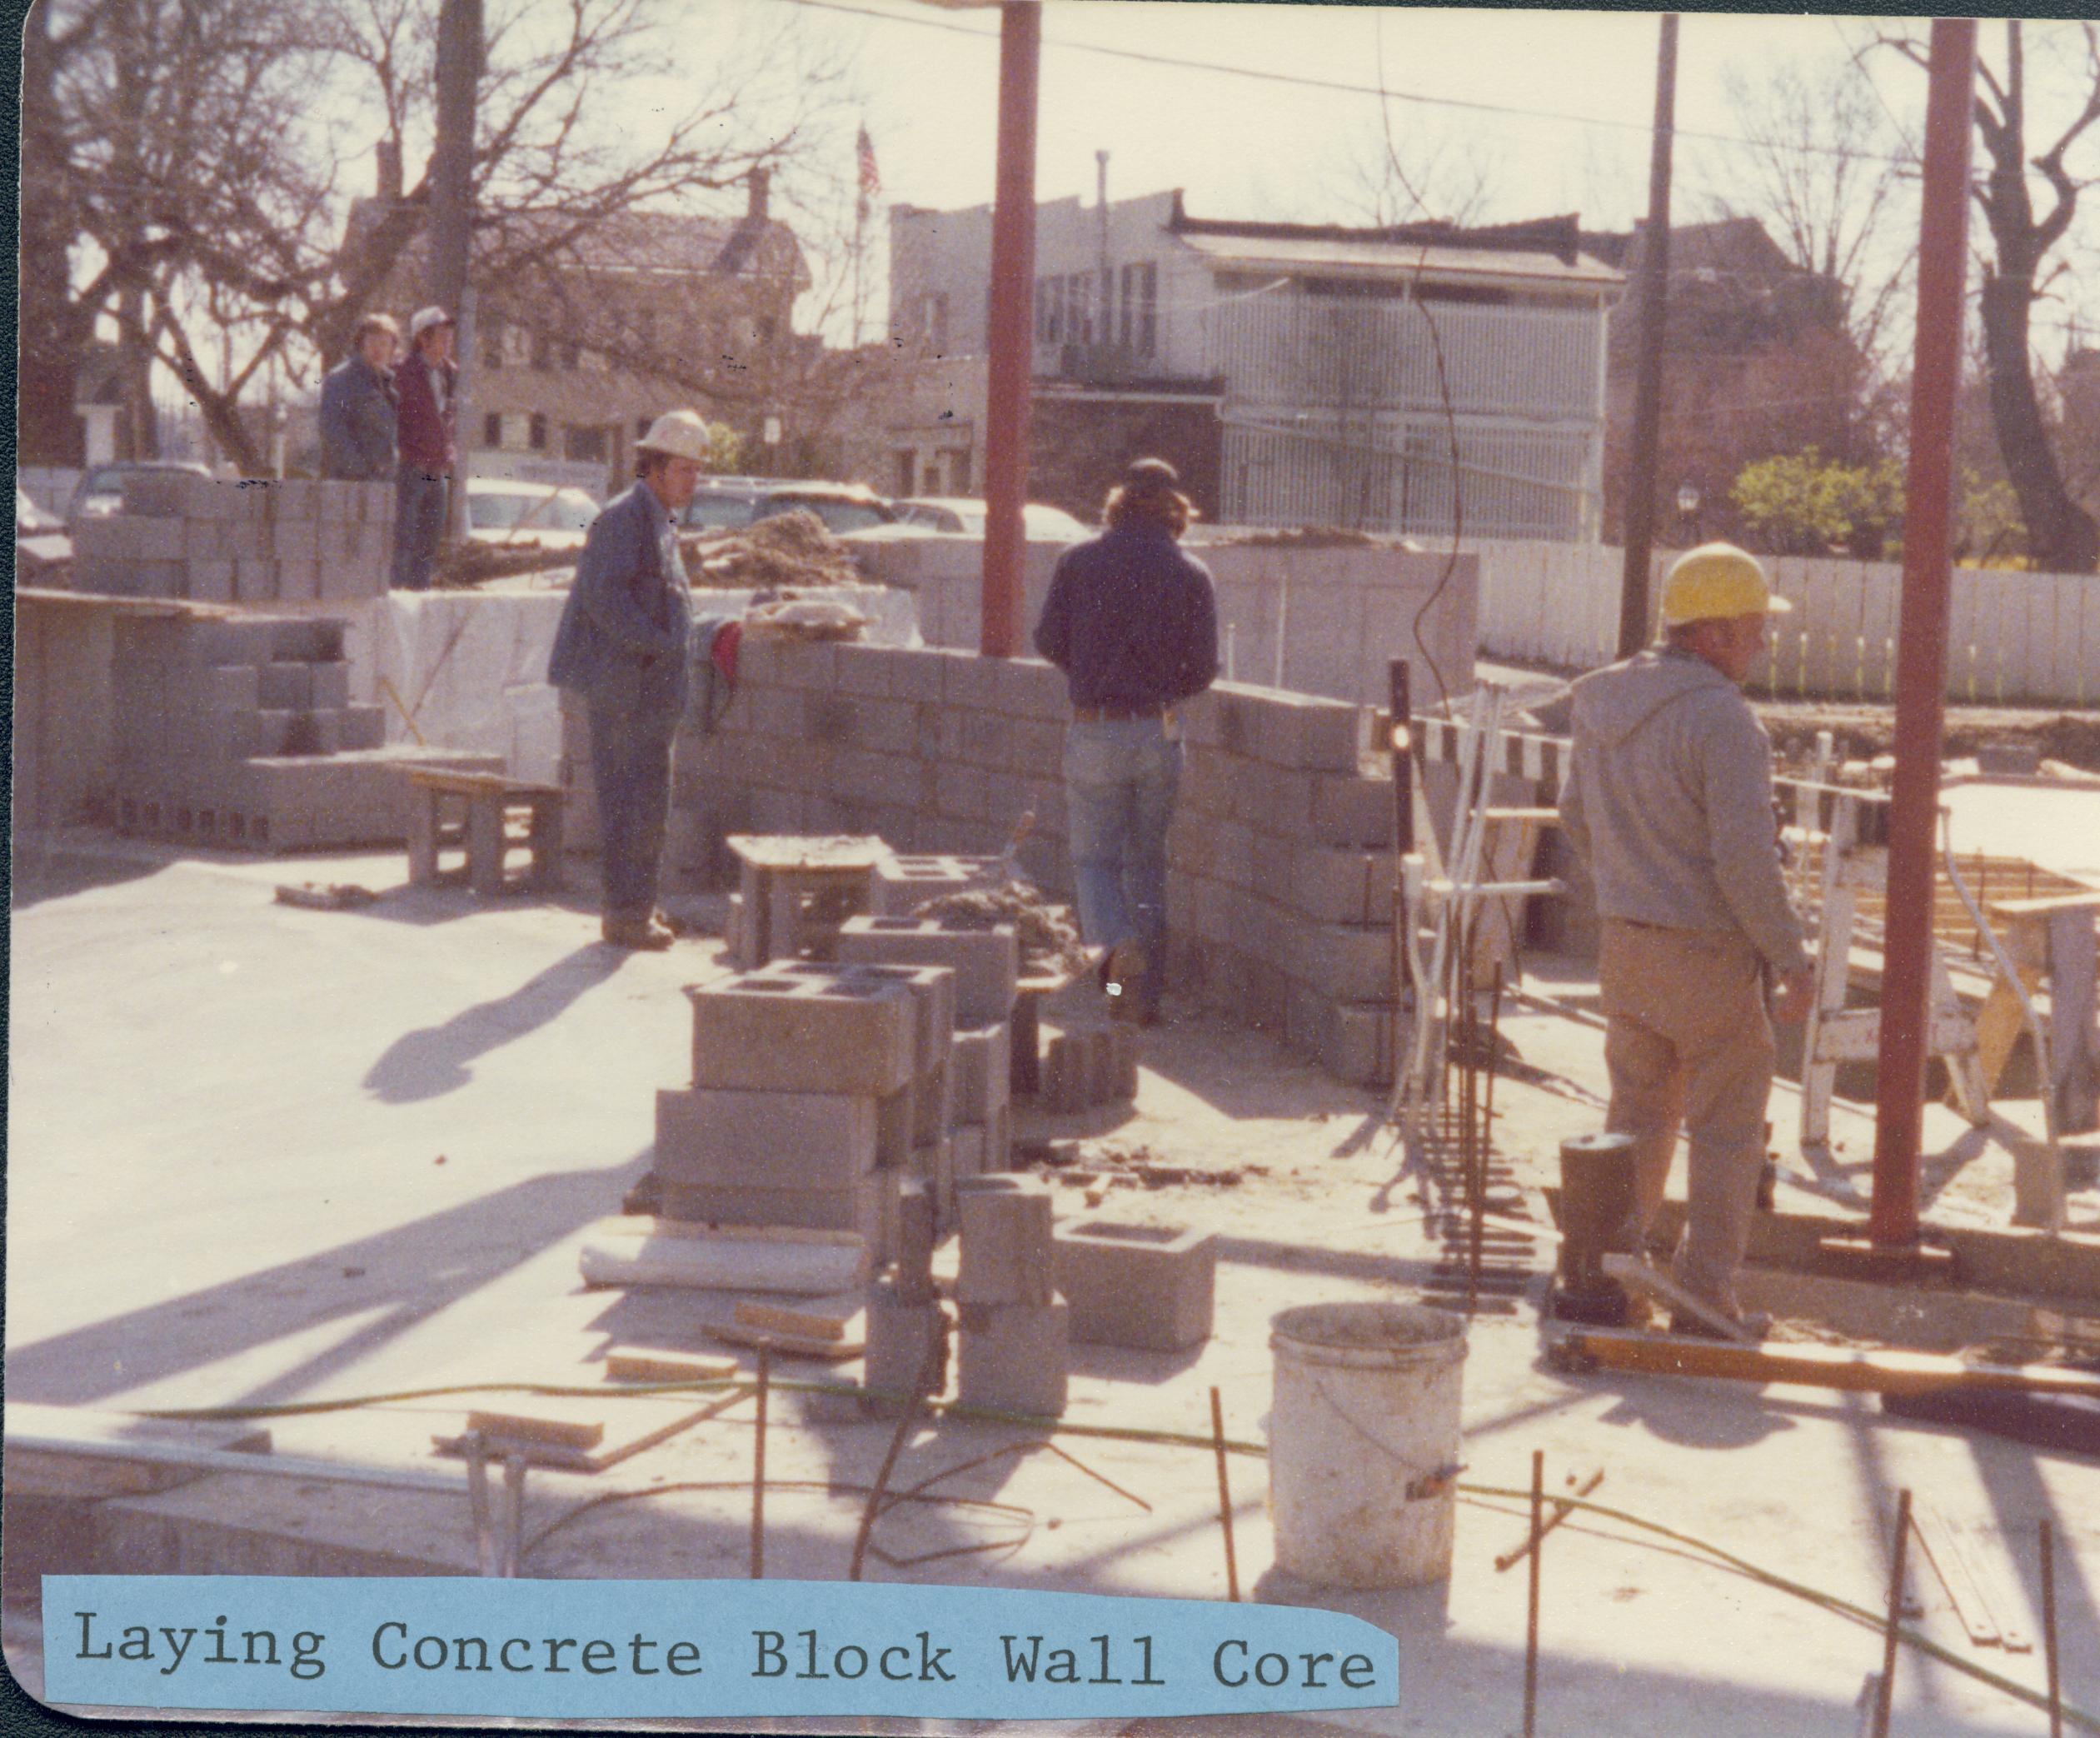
{"points": [[536, 435], [585, 445], [492, 429], [1050, 310]]}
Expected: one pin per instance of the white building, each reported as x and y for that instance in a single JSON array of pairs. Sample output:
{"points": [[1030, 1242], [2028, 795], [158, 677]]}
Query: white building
{"points": [[1303, 374]]}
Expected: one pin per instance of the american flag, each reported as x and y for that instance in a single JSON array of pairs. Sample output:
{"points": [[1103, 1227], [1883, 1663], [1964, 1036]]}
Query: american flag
{"points": [[871, 176]]}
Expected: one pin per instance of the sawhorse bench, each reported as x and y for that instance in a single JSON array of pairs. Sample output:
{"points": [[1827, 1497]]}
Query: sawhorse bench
{"points": [[473, 812]]}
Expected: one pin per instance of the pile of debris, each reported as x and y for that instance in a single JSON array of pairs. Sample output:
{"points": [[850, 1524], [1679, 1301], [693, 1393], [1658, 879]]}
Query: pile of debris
{"points": [[1047, 937], [464, 565], [786, 549]]}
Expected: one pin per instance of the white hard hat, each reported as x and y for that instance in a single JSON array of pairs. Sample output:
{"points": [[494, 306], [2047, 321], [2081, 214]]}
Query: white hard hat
{"points": [[682, 434], [424, 318]]}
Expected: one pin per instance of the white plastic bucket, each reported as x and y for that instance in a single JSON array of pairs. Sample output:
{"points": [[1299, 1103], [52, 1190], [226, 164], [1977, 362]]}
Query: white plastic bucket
{"points": [[1364, 1443]]}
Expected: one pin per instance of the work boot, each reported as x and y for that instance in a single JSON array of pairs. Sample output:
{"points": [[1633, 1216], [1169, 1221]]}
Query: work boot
{"points": [[1757, 1324], [642, 934], [1123, 978]]}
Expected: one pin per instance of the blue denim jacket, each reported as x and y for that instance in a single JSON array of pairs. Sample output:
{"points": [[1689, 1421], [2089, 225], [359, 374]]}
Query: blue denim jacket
{"points": [[625, 635], [1130, 619]]}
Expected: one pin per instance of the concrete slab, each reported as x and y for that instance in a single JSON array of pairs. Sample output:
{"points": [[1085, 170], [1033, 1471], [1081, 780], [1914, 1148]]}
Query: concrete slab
{"points": [[217, 1198]]}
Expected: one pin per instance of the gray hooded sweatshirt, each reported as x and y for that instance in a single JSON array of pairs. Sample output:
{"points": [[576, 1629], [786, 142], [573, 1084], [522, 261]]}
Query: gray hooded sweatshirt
{"points": [[1668, 802]]}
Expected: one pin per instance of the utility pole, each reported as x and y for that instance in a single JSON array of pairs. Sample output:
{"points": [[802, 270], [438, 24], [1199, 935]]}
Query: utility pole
{"points": [[1013, 275], [1647, 381], [1921, 641], [451, 210]]}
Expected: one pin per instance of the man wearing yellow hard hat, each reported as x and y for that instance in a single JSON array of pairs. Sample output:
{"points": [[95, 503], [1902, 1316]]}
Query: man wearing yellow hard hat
{"points": [[1667, 801]]}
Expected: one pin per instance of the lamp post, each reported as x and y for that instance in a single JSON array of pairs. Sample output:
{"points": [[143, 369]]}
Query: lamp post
{"points": [[1688, 512]]}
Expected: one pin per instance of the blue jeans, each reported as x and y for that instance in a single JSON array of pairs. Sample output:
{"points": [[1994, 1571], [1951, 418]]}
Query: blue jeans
{"points": [[1120, 778], [419, 521], [631, 768]]}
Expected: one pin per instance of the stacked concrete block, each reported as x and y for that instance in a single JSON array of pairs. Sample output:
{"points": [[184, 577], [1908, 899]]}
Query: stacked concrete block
{"points": [[237, 730], [1015, 1328], [1142, 1285], [907, 1329], [921, 1113], [1083, 1069], [986, 961], [296, 541], [902, 884], [751, 1143], [981, 1087]]}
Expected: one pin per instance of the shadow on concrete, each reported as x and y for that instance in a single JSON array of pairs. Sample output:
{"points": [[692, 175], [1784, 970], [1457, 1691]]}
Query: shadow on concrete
{"points": [[37, 875], [411, 1272], [1342, 1264], [1130, 1364], [435, 1060]]}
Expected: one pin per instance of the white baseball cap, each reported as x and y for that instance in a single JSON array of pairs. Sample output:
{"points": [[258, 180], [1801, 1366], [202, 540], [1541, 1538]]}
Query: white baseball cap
{"points": [[424, 318]]}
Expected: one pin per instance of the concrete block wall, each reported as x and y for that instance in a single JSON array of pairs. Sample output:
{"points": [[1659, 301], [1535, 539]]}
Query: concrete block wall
{"points": [[1281, 862], [237, 730], [297, 542]]}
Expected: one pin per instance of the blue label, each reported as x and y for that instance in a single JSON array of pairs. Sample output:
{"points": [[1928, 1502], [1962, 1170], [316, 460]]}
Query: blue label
{"points": [[624, 1650]]}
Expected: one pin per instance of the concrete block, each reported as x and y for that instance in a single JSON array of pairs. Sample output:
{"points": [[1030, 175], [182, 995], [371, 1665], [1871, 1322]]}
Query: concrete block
{"points": [[1349, 963], [971, 682], [776, 1140], [295, 540], [311, 639], [1035, 748], [904, 882], [285, 687], [976, 738], [1354, 812], [855, 1209], [1033, 689], [212, 582], [961, 791], [986, 961], [298, 580], [345, 579], [361, 727], [779, 1033], [1361, 1044], [907, 1343], [896, 1120], [1014, 1357], [911, 1247], [932, 1104], [934, 1164], [915, 675], [1276, 799], [1143, 1286], [230, 687], [1331, 886], [968, 1141], [1006, 1254], [980, 1070], [244, 540]]}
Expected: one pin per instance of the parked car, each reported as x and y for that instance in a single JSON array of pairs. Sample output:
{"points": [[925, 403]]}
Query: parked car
{"points": [[964, 516], [499, 511], [44, 552], [735, 501], [101, 492]]}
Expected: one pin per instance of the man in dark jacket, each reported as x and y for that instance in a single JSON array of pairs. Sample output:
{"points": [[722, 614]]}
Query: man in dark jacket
{"points": [[1133, 623], [622, 646], [428, 387], [357, 411]]}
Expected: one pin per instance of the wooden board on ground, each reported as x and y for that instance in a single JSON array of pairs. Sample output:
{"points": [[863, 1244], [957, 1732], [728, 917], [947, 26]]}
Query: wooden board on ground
{"points": [[821, 1318], [1816, 1366], [788, 1345], [631, 1425], [54, 1472], [563, 1422], [666, 1366]]}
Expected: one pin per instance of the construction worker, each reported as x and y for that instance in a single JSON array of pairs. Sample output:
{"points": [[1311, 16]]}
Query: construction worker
{"points": [[426, 389], [1668, 804], [622, 646], [358, 414], [1133, 623]]}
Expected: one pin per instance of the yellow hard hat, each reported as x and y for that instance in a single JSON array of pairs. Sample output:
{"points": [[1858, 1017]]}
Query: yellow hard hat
{"points": [[680, 433], [1717, 580]]}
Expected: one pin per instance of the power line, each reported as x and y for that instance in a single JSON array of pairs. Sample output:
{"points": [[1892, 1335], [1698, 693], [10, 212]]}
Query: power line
{"points": [[1342, 86]]}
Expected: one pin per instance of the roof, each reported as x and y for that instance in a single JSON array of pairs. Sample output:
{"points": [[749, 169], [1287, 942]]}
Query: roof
{"points": [[1540, 249]]}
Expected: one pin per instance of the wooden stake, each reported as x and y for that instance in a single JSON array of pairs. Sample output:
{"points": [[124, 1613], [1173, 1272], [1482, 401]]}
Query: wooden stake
{"points": [[1224, 1495], [1531, 1619], [758, 1465], [2048, 1629], [1885, 1689]]}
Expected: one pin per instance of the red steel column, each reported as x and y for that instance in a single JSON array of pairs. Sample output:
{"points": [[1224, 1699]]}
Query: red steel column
{"points": [[1013, 279], [1921, 660]]}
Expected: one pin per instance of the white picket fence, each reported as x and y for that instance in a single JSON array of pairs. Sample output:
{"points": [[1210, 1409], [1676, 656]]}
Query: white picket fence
{"points": [[2013, 639]]}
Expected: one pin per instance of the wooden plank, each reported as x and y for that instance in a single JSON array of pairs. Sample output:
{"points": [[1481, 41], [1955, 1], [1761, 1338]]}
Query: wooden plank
{"points": [[821, 1318], [568, 1423], [664, 1366], [633, 1425], [1953, 1569], [736, 1333], [1821, 1367]]}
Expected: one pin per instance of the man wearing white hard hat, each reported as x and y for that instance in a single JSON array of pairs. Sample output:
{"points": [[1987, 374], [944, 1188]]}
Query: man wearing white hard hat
{"points": [[1669, 803], [427, 390], [622, 646]]}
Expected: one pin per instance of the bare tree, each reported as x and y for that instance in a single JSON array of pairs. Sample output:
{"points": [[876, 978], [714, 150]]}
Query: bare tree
{"points": [[1826, 175], [199, 143], [2019, 272]]}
